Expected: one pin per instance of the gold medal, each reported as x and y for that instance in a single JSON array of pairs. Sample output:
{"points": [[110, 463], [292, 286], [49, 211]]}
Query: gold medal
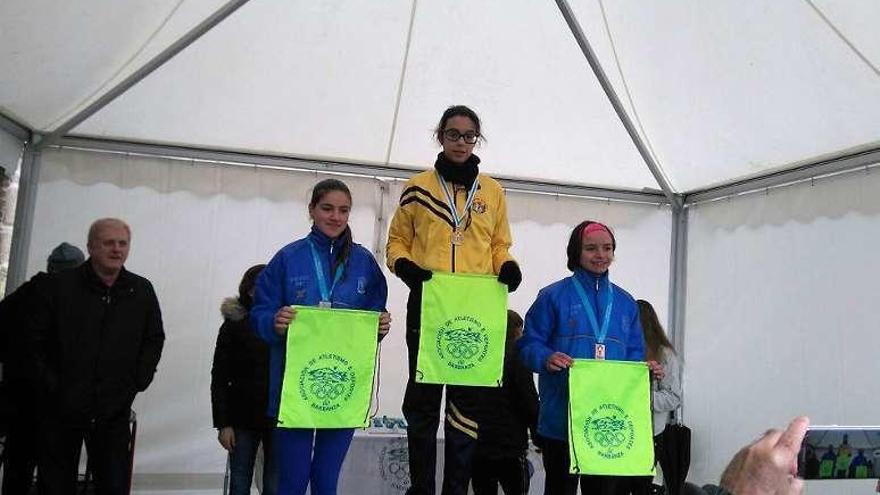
{"points": [[457, 237]]}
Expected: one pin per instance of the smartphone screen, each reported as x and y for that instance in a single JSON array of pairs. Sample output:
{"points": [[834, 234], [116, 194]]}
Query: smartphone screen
{"points": [[840, 452]]}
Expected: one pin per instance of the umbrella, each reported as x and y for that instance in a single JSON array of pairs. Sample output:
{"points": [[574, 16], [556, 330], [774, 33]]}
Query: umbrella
{"points": [[675, 456]]}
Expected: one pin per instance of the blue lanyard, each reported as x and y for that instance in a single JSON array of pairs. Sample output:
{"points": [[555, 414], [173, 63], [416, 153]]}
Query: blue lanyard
{"points": [[450, 199], [588, 307], [322, 282]]}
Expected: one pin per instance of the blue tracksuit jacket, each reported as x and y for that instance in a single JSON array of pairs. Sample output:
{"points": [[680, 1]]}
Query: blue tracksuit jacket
{"points": [[557, 322], [290, 279]]}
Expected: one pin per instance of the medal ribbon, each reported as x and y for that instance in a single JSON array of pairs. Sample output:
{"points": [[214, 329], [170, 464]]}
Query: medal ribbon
{"points": [[600, 333], [450, 200], [322, 282]]}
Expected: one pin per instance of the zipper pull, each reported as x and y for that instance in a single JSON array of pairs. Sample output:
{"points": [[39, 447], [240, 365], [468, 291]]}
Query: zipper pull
{"points": [[331, 248]]}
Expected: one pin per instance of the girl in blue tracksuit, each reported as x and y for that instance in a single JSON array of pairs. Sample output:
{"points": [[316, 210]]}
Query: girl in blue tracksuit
{"points": [[558, 329], [349, 277]]}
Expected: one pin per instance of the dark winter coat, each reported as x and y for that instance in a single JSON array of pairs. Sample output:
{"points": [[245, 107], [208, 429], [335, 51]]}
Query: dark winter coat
{"points": [[15, 392], [240, 373], [508, 413], [13, 313], [94, 347]]}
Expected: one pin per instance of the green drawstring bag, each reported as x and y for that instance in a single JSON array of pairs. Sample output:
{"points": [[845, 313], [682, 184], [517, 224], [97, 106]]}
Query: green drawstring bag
{"points": [[463, 331], [330, 364], [609, 418]]}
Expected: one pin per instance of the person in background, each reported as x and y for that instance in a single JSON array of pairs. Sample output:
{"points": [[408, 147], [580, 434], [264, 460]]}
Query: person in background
{"points": [[240, 390], [507, 416], [96, 338], [451, 219], [21, 424], [811, 468], [328, 269], [665, 392], [844, 457], [826, 465], [558, 330], [859, 461]]}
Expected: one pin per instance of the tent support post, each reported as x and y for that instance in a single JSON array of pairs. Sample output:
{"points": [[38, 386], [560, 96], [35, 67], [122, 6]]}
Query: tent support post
{"points": [[24, 217], [165, 55], [678, 284], [575, 27]]}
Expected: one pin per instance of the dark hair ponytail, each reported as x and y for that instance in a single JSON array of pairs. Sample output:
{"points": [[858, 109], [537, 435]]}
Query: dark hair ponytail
{"points": [[345, 238], [655, 337]]}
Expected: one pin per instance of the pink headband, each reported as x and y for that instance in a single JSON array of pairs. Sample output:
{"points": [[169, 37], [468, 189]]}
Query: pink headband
{"points": [[596, 227]]}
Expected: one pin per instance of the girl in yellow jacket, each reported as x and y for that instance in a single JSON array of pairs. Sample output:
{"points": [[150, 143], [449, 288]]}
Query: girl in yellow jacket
{"points": [[451, 219]]}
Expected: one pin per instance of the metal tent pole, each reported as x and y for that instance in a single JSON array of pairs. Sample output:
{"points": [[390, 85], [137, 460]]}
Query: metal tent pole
{"points": [[678, 285], [674, 199], [838, 163], [24, 217], [16, 129]]}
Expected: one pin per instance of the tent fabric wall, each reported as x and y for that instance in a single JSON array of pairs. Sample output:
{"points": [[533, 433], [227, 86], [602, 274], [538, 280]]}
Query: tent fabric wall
{"points": [[197, 226], [781, 314]]}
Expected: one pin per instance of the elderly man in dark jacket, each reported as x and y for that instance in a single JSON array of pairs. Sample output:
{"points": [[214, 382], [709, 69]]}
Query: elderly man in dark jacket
{"points": [[96, 338]]}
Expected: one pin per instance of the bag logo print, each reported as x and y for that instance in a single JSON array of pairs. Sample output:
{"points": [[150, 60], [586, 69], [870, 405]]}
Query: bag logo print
{"points": [[394, 465], [462, 342], [609, 431], [326, 383]]}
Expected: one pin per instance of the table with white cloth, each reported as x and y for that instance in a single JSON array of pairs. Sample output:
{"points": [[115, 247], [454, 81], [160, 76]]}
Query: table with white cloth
{"points": [[378, 463]]}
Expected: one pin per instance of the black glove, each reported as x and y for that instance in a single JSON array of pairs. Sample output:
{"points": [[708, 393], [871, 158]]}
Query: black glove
{"points": [[412, 274], [510, 275]]}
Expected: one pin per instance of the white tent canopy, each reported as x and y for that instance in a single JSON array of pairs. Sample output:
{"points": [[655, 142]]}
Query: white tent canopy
{"points": [[721, 92], [723, 97]]}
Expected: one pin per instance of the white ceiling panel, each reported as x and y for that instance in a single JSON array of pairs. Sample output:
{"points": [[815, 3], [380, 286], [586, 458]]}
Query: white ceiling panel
{"points": [[315, 79], [516, 63], [729, 89], [56, 57], [720, 90]]}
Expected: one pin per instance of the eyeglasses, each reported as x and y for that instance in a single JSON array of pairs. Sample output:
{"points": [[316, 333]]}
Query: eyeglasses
{"points": [[453, 135]]}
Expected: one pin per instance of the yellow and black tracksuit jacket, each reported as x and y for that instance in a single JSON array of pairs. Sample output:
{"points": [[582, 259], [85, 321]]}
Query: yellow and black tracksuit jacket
{"points": [[421, 229]]}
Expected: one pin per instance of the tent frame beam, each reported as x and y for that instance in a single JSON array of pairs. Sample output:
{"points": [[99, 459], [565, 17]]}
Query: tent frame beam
{"points": [[338, 167], [14, 128], [674, 199], [842, 162], [135, 77]]}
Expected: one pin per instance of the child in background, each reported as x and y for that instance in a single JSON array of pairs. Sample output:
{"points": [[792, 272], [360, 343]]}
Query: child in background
{"points": [[508, 414]]}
